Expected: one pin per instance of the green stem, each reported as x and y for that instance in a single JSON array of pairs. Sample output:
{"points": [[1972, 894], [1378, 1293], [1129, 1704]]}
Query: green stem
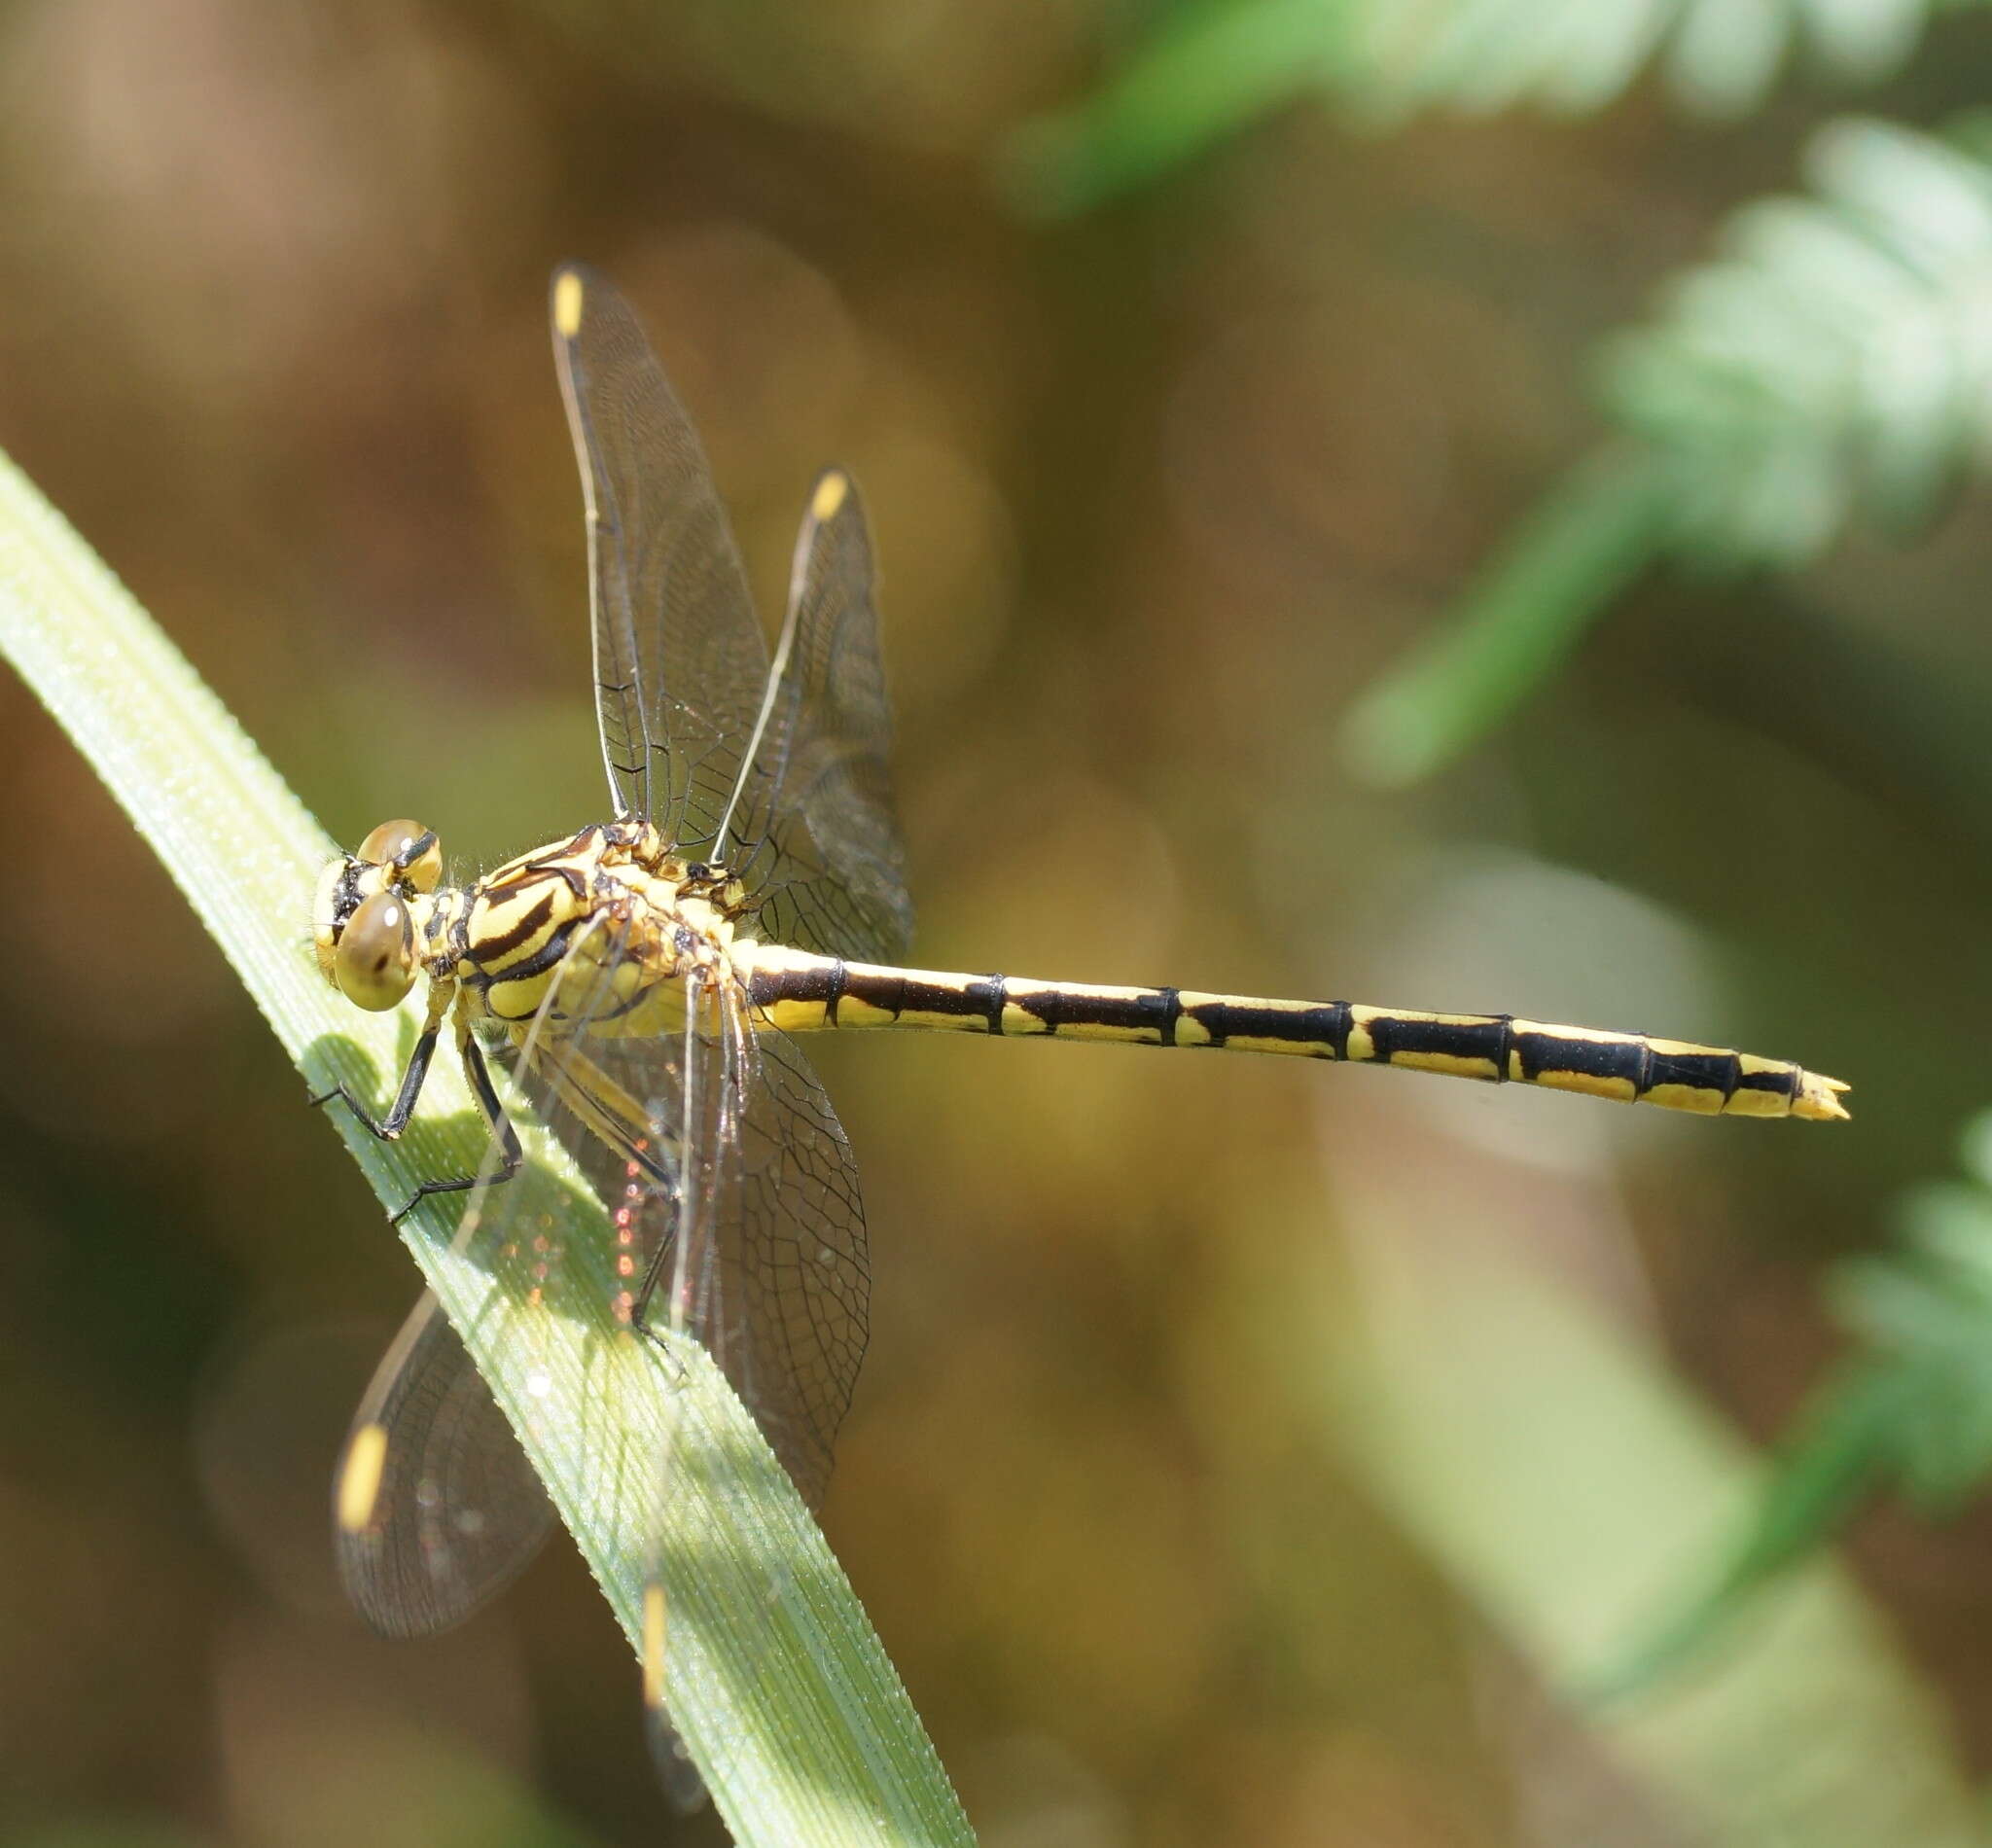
{"points": [[1213, 71], [1576, 552]]}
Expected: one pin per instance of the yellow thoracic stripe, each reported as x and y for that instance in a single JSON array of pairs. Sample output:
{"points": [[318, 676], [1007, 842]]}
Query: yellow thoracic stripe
{"points": [[800, 993]]}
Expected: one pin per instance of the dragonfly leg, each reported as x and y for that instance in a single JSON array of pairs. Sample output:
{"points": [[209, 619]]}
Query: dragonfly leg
{"points": [[639, 1309], [389, 1127], [510, 1155]]}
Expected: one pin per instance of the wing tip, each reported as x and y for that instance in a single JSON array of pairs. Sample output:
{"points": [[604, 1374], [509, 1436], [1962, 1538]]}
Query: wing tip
{"points": [[360, 1476], [833, 489], [570, 291]]}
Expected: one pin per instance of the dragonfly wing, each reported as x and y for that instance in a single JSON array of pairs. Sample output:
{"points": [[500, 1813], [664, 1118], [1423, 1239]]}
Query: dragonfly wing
{"points": [[671, 1759], [726, 1168], [436, 1510], [791, 1278], [815, 828], [680, 662]]}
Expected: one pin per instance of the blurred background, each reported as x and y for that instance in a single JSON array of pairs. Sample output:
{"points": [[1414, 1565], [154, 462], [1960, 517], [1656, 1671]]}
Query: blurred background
{"points": [[1246, 1451]]}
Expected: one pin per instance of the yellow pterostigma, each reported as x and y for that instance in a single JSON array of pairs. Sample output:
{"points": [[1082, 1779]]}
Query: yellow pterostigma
{"points": [[645, 979]]}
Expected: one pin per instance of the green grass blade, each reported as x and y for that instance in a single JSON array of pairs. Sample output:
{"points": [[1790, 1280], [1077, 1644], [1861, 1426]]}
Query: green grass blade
{"points": [[783, 1692]]}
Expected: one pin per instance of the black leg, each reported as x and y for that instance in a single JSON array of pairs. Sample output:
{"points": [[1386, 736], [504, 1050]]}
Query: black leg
{"points": [[390, 1126], [510, 1155], [652, 1275]]}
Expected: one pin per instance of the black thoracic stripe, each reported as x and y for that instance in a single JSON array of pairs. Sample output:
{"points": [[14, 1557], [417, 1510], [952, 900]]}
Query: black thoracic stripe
{"points": [[1506, 1048], [1325, 1027], [986, 991], [563, 868], [1699, 1070], [1394, 1035], [546, 957], [494, 949]]}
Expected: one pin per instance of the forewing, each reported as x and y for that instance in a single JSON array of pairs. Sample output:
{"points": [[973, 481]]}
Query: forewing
{"points": [[680, 663], [436, 1510], [817, 832]]}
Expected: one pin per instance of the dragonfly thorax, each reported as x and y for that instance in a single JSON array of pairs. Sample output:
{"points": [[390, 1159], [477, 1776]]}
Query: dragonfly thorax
{"points": [[610, 923]]}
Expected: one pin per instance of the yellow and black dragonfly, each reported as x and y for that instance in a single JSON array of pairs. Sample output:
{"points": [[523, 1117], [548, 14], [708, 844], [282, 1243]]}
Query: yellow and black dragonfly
{"points": [[645, 977]]}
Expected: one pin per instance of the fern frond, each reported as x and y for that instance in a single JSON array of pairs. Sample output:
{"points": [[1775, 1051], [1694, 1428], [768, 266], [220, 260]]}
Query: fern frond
{"points": [[1717, 57], [1213, 68], [1837, 353]]}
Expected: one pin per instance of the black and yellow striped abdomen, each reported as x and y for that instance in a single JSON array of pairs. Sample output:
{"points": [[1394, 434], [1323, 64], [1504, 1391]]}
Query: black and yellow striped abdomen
{"points": [[800, 994]]}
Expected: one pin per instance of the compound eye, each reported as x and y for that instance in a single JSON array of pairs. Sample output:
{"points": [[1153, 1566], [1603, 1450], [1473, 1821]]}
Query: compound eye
{"points": [[374, 963], [410, 848]]}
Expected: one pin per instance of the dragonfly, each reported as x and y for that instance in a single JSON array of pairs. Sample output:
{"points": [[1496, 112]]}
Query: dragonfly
{"points": [[645, 981]]}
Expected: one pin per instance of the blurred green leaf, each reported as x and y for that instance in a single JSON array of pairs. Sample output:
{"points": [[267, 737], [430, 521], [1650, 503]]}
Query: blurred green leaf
{"points": [[1912, 1408], [1576, 550], [1821, 1475], [794, 1716], [1558, 1473], [1209, 71]]}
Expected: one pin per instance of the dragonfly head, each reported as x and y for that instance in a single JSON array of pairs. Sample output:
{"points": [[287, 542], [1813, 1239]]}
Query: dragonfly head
{"points": [[363, 926]]}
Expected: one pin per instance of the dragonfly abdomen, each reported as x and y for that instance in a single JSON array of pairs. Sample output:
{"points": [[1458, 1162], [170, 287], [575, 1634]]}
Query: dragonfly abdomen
{"points": [[799, 992]]}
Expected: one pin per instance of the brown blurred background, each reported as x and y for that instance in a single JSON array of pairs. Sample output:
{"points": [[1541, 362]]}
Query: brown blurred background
{"points": [[1156, 492]]}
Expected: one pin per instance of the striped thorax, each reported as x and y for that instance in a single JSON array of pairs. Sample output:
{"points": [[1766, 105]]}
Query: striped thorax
{"points": [[608, 922]]}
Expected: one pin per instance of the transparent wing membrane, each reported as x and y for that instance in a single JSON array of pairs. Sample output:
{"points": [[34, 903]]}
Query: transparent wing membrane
{"points": [[791, 1277], [784, 778], [680, 660], [438, 1509], [636, 1114], [734, 1198], [818, 833], [730, 1186]]}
